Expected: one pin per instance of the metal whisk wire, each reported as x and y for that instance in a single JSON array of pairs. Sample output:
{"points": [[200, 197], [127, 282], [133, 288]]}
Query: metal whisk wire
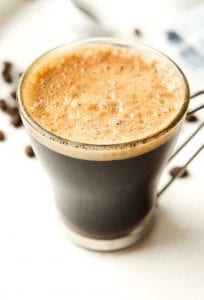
{"points": [[181, 170], [182, 146]]}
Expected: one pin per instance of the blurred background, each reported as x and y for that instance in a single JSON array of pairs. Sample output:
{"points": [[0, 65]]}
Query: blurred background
{"points": [[30, 27]]}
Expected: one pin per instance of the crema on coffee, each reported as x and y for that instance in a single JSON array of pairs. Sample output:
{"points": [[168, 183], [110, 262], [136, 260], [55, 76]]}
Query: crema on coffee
{"points": [[103, 94]]}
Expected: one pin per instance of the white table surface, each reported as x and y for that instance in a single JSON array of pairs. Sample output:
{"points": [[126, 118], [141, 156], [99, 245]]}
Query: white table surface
{"points": [[37, 261]]}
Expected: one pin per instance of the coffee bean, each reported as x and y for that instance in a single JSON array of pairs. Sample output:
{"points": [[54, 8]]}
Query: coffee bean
{"points": [[20, 74], [6, 72], [191, 118], [174, 37], [3, 105], [13, 95], [2, 136], [174, 171], [12, 110], [29, 151], [137, 32], [16, 120]]}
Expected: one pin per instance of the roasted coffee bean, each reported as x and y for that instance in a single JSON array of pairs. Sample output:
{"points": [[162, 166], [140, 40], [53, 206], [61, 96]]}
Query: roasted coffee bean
{"points": [[13, 95], [29, 151], [3, 105], [16, 120], [12, 110], [137, 32], [191, 118], [174, 171], [6, 72], [2, 136], [174, 37]]}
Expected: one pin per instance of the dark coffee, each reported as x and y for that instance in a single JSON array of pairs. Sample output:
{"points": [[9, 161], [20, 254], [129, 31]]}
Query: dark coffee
{"points": [[104, 199]]}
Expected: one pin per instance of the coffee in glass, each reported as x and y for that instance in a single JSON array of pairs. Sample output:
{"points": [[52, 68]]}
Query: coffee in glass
{"points": [[103, 115]]}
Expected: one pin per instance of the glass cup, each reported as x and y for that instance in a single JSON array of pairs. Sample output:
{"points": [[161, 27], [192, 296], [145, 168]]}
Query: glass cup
{"points": [[105, 194]]}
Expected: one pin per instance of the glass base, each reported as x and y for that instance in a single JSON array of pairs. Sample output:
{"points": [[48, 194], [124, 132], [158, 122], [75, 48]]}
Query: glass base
{"points": [[112, 244]]}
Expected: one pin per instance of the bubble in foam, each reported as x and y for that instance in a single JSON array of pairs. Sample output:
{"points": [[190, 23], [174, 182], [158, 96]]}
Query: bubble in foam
{"points": [[74, 104], [132, 115]]}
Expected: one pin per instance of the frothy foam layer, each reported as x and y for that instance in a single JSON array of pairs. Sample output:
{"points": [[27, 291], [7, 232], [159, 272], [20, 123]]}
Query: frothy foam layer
{"points": [[102, 94]]}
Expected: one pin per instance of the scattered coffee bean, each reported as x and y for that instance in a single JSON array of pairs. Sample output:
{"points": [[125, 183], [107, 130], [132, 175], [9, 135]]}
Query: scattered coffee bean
{"points": [[174, 37], [191, 118], [137, 32], [29, 151], [174, 171], [16, 120], [12, 110], [20, 74], [2, 136], [3, 105], [6, 73], [13, 95]]}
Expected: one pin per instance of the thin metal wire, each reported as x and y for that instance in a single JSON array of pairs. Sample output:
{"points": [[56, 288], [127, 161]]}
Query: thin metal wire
{"points": [[201, 92], [181, 171], [186, 141], [195, 109], [197, 94]]}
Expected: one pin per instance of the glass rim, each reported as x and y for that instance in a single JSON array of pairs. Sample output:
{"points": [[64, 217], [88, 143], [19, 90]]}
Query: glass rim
{"points": [[91, 146]]}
